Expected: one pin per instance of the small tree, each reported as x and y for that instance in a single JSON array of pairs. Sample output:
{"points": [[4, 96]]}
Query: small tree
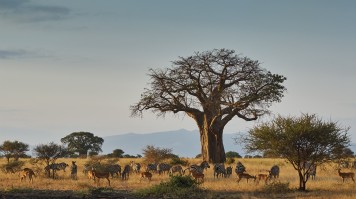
{"points": [[232, 154], [299, 140], [156, 154], [14, 149], [82, 142], [117, 153], [50, 153]]}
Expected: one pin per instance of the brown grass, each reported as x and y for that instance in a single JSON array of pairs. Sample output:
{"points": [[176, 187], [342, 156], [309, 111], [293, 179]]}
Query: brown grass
{"points": [[326, 185]]}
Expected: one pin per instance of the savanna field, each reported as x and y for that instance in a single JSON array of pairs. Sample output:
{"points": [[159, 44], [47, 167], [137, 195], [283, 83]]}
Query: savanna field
{"points": [[326, 185]]}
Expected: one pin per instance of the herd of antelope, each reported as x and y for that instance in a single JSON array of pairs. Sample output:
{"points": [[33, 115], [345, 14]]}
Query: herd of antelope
{"points": [[194, 170]]}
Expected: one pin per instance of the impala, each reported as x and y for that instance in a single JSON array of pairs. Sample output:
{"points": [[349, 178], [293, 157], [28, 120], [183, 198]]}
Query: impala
{"points": [[244, 175], [346, 175]]}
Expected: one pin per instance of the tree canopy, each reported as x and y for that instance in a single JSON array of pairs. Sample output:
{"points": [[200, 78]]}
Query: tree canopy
{"points": [[14, 149], [301, 140], [212, 87], [82, 142]]}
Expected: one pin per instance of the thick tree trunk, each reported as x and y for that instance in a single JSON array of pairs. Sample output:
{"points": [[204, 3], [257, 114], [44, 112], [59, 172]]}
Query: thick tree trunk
{"points": [[302, 182], [212, 146]]}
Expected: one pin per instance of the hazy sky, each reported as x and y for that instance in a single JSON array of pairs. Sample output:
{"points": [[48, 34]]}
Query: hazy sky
{"points": [[69, 66]]}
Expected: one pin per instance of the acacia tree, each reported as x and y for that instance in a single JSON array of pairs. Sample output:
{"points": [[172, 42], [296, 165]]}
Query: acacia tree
{"points": [[212, 87], [82, 142], [13, 149], [301, 140]]}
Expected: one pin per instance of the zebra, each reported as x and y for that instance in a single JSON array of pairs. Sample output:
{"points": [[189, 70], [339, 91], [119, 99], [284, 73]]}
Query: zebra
{"points": [[163, 167], [73, 171], [219, 169], [197, 168], [176, 169], [228, 171], [151, 167], [55, 167], [274, 172], [310, 170], [126, 172], [136, 167], [240, 168], [113, 169]]}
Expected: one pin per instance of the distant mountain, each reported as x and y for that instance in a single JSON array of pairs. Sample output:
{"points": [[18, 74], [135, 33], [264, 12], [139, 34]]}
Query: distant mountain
{"points": [[182, 142]]}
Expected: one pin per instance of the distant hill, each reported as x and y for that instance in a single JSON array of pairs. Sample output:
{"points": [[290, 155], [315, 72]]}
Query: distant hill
{"points": [[182, 142]]}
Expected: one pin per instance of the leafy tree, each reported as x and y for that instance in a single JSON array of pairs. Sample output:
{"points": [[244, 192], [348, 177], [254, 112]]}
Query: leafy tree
{"points": [[118, 153], [212, 87], [299, 140], [50, 153], [154, 154], [82, 142], [14, 149], [232, 154]]}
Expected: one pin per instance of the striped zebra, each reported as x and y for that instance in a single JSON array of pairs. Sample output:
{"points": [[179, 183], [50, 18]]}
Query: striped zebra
{"points": [[73, 171], [126, 172], [274, 172], [197, 168], [55, 167], [136, 167], [240, 168], [219, 169], [151, 167], [163, 167], [228, 171], [310, 170], [113, 169], [175, 169]]}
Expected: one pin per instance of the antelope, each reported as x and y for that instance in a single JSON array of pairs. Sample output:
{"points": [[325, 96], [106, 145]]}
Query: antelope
{"points": [[197, 176], [244, 175], [27, 172], [147, 175], [263, 177], [99, 175], [346, 175]]}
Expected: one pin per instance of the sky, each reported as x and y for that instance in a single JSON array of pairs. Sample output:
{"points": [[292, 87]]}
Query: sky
{"points": [[68, 66]]}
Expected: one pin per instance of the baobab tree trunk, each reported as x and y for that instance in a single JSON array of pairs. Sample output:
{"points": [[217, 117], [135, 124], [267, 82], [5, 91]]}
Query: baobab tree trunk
{"points": [[212, 146]]}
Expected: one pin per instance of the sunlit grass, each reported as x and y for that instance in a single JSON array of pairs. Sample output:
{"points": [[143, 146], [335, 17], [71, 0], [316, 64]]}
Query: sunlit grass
{"points": [[326, 185]]}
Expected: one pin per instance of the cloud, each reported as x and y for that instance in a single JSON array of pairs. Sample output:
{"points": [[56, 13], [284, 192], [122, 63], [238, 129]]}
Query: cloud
{"points": [[28, 11]]}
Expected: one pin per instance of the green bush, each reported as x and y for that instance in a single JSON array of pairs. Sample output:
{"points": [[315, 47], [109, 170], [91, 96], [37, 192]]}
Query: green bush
{"points": [[176, 187], [177, 160], [12, 166]]}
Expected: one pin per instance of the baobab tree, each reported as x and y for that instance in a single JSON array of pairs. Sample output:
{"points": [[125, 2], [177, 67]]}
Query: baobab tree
{"points": [[212, 87]]}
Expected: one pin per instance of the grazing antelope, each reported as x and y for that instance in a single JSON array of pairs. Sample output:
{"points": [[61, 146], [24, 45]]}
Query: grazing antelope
{"points": [[346, 175], [97, 175], [199, 177], [244, 175], [147, 175], [27, 172], [263, 177], [176, 169]]}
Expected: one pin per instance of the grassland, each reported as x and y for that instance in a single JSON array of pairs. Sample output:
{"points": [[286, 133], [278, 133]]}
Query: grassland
{"points": [[326, 185]]}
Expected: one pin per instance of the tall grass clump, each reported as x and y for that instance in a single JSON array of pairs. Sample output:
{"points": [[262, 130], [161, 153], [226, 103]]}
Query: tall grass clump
{"points": [[175, 187], [277, 187]]}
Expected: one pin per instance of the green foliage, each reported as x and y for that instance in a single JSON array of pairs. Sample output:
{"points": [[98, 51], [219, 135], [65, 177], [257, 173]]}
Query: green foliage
{"points": [[50, 152], [14, 149], [177, 160], [277, 187], [176, 187], [232, 154], [157, 154], [82, 142], [230, 161]]}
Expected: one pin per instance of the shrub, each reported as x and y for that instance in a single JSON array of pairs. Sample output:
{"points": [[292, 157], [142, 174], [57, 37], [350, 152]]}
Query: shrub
{"points": [[277, 187], [177, 160], [12, 166], [230, 160], [176, 187]]}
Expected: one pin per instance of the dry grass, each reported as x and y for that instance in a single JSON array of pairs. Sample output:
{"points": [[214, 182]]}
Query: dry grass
{"points": [[326, 185]]}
